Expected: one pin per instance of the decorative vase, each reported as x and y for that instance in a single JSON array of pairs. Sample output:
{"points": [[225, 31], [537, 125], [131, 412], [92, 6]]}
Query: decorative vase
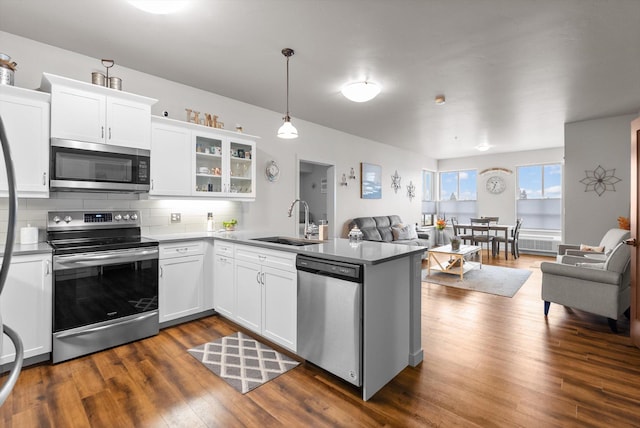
{"points": [[455, 245], [440, 237]]}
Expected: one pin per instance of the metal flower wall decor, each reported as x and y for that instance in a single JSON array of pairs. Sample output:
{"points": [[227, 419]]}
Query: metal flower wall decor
{"points": [[600, 180], [411, 191], [395, 181]]}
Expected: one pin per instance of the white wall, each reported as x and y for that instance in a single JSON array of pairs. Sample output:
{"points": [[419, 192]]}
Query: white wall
{"points": [[268, 212], [502, 205], [605, 142]]}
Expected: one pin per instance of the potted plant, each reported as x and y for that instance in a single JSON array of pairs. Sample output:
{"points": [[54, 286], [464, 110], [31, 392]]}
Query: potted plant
{"points": [[455, 243]]}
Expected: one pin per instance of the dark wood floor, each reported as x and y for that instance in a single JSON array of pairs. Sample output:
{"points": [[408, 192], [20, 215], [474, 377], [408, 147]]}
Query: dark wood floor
{"points": [[489, 361]]}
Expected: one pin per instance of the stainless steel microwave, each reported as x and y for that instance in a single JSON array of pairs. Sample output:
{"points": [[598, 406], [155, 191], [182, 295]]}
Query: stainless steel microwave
{"points": [[91, 167]]}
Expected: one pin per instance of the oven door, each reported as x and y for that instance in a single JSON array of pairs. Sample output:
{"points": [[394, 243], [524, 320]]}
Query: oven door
{"points": [[89, 288], [103, 299], [81, 166]]}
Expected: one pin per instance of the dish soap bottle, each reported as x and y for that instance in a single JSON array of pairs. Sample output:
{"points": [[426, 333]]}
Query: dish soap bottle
{"points": [[211, 223]]}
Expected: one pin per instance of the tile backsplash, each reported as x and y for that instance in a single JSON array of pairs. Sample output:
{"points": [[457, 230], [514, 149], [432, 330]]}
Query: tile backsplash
{"points": [[155, 214]]}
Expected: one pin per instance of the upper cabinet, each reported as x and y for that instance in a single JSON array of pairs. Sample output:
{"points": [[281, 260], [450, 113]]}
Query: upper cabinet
{"points": [[194, 160], [25, 114], [96, 114]]}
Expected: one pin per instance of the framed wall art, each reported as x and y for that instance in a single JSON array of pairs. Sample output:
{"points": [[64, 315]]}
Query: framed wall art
{"points": [[370, 181]]}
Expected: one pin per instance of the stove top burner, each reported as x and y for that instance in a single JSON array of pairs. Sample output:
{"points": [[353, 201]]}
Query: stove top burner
{"points": [[85, 245]]}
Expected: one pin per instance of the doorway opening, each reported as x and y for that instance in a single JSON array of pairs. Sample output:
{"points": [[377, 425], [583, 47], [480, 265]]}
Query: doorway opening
{"points": [[316, 186]]}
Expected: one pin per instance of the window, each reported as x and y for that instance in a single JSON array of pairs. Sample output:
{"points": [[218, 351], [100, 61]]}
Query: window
{"points": [[540, 199], [427, 186], [458, 194]]}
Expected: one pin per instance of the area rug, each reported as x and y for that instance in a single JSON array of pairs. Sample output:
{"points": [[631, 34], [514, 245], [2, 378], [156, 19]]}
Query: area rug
{"points": [[490, 279], [243, 362]]}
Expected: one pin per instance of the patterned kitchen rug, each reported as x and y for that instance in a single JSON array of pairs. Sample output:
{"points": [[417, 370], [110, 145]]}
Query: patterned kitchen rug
{"points": [[243, 362]]}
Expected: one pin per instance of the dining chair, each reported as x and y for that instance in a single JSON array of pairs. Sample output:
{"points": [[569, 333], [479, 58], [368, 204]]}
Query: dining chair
{"points": [[480, 233], [512, 241], [464, 236]]}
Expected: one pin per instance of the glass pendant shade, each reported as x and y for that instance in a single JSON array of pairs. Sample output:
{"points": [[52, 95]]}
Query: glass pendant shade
{"points": [[361, 92], [287, 130]]}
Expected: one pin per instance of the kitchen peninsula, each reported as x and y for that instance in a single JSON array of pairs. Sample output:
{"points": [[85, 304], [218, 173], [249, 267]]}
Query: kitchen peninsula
{"points": [[391, 298]]}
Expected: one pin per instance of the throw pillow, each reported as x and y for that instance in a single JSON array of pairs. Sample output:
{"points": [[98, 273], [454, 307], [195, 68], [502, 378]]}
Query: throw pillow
{"points": [[404, 232], [584, 247]]}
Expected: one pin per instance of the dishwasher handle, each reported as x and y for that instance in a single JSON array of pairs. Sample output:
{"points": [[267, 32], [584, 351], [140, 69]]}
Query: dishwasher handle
{"points": [[346, 271]]}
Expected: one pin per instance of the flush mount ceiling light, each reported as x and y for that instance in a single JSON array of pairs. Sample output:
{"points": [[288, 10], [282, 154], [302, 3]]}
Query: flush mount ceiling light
{"points": [[361, 92], [483, 147], [440, 100], [160, 7], [287, 130]]}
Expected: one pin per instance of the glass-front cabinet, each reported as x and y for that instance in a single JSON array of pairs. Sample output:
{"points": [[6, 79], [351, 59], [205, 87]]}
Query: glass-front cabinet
{"points": [[223, 165]]}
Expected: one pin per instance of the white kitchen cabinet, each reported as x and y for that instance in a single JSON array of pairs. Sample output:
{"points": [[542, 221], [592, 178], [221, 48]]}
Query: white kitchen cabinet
{"points": [[224, 294], [26, 304], [170, 158], [96, 114], [223, 165], [181, 280], [266, 293], [25, 114]]}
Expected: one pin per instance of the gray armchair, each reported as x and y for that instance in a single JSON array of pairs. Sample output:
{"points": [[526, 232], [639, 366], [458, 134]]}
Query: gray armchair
{"points": [[601, 288], [609, 241]]}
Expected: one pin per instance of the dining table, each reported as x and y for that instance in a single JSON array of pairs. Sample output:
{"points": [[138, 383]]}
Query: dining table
{"points": [[462, 228]]}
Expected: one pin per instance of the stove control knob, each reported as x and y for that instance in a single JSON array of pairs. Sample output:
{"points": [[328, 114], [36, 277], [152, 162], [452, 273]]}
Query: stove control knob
{"points": [[67, 219], [118, 217], [125, 217], [57, 219], [134, 217]]}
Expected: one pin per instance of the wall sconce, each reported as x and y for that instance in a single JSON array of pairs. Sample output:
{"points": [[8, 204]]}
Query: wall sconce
{"points": [[352, 174], [343, 181]]}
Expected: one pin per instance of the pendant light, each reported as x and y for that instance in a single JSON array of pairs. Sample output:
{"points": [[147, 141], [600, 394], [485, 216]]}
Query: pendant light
{"points": [[287, 130]]}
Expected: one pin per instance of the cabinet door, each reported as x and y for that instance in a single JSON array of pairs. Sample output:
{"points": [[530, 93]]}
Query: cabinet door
{"points": [[242, 169], [26, 122], [128, 123], [248, 280], [210, 169], [224, 290], [171, 160], [26, 305], [78, 115], [280, 302], [181, 287]]}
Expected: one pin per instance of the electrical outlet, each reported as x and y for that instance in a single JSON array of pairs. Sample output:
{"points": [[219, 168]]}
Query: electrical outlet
{"points": [[175, 217]]}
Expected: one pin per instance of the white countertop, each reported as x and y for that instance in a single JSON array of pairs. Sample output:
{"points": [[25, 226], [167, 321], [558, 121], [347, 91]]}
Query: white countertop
{"points": [[365, 252], [24, 249]]}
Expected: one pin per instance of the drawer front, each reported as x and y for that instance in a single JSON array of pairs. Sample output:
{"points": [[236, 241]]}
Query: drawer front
{"points": [[273, 258], [223, 248], [181, 249]]}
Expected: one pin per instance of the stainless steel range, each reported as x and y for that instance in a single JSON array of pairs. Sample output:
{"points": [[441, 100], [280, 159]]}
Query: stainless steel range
{"points": [[105, 281]]}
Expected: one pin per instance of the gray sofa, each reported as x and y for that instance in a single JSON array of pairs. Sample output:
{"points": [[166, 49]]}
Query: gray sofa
{"points": [[381, 229]]}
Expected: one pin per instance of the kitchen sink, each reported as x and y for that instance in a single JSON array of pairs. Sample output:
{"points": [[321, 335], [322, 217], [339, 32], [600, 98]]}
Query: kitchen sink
{"points": [[285, 240]]}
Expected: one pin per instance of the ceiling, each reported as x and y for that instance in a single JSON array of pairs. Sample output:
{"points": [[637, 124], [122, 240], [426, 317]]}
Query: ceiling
{"points": [[513, 71]]}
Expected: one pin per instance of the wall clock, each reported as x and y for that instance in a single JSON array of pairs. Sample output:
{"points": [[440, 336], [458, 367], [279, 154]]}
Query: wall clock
{"points": [[272, 171], [496, 185]]}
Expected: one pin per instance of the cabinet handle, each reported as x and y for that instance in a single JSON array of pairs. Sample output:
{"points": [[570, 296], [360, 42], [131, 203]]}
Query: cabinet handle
{"points": [[258, 277], [262, 258], [263, 278], [109, 132], [152, 184], [161, 271], [102, 132], [46, 267], [44, 178]]}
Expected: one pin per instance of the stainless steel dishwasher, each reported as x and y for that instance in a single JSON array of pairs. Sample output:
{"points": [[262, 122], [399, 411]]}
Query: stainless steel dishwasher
{"points": [[330, 316]]}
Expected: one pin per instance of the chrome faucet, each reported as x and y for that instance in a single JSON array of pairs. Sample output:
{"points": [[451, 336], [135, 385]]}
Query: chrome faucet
{"points": [[307, 235]]}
